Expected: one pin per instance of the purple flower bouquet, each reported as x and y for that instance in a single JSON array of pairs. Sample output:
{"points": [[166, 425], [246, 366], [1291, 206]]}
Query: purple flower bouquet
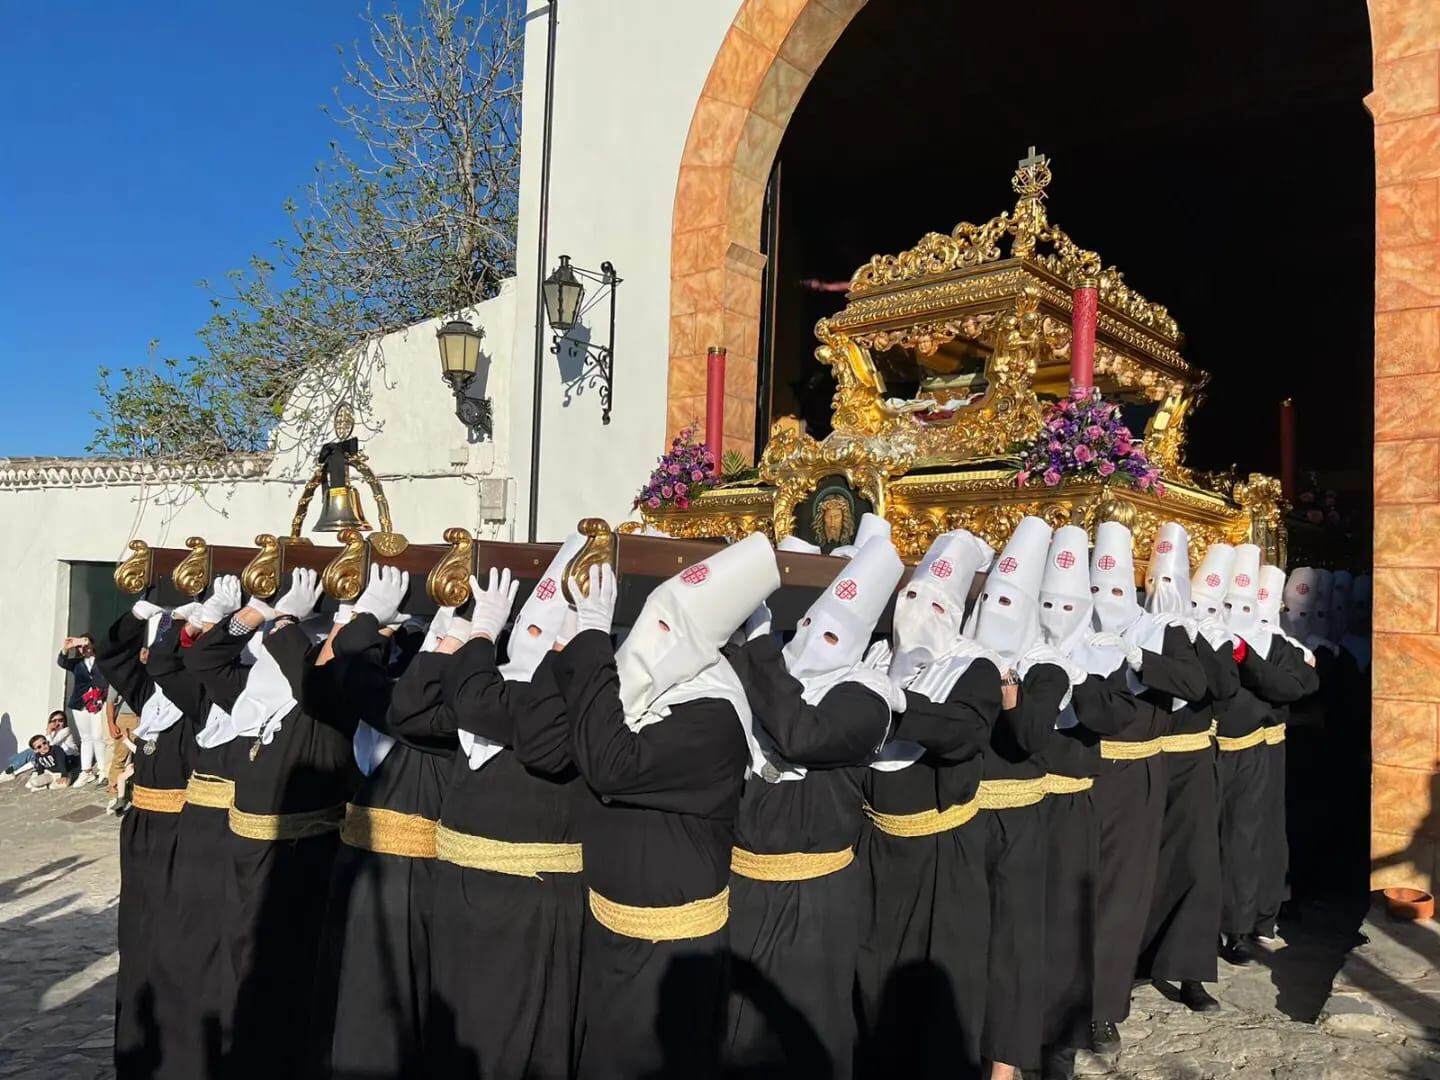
{"points": [[1085, 439], [685, 471]]}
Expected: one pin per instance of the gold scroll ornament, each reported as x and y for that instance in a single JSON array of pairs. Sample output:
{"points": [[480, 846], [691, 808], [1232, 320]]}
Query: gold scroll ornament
{"points": [[448, 582], [262, 576], [345, 576], [600, 548], [134, 573], [193, 574]]}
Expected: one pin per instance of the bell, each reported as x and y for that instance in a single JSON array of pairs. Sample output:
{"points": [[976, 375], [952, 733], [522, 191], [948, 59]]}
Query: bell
{"points": [[342, 510]]}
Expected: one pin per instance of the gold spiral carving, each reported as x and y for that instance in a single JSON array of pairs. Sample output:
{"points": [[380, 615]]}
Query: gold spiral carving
{"points": [[133, 575], [599, 548], [261, 576], [449, 580], [193, 574], [345, 576]]}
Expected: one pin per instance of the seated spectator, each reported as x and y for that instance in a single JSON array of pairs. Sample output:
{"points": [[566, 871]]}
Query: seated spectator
{"points": [[22, 762], [57, 730], [52, 765]]}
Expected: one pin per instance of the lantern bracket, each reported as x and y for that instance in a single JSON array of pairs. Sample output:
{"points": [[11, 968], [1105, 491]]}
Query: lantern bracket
{"points": [[599, 364]]}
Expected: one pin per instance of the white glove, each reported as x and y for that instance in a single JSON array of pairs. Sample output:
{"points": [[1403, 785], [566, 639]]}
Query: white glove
{"points": [[459, 629], [188, 613], [303, 595], [757, 624], [224, 600], [567, 627], [1135, 657], [144, 610], [439, 626], [344, 613], [384, 594], [878, 656], [597, 611], [492, 604]]}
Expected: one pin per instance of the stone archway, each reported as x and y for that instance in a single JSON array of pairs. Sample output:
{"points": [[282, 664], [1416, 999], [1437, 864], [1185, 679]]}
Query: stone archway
{"points": [[769, 54]]}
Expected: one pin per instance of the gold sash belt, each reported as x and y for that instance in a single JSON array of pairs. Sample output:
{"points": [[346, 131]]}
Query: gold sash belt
{"points": [[926, 822], [285, 826], [504, 857], [1275, 734], [1242, 742], [791, 866], [1113, 750], [1009, 794], [1057, 784], [1184, 743], [211, 791], [697, 919], [158, 800], [388, 832]]}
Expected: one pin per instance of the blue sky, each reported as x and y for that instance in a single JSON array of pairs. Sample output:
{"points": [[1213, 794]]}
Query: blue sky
{"points": [[146, 146]]}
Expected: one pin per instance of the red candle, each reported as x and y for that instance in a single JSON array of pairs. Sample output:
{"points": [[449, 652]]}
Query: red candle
{"points": [[1082, 336], [715, 401], [1287, 448]]}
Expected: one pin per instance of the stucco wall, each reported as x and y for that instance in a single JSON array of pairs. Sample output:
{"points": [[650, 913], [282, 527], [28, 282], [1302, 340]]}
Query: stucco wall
{"points": [[627, 79]]}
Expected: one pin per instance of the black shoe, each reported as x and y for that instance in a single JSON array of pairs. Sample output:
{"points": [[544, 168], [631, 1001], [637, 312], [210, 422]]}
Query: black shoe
{"points": [[1194, 997], [1104, 1039], [1237, 951]]}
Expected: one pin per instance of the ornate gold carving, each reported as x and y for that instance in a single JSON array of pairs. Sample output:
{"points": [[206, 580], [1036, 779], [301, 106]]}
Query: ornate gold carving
{"points": [[134, 574], [1264, 498], [261, 576], [970, 246], [388, 544], [448, 582], [193, 574], [832, 521], [599, 548], [345, 576], [625, 528]]}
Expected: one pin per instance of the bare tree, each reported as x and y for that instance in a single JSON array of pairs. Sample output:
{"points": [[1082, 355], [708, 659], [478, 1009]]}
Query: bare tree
{"points": [[414, 217]]}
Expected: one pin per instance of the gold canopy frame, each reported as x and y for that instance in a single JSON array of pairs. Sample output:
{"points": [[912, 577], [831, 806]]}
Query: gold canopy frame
{"points": [[934, 463]]}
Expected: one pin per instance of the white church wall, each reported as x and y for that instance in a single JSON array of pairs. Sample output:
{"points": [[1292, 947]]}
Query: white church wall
{"points": [[628, 76]]}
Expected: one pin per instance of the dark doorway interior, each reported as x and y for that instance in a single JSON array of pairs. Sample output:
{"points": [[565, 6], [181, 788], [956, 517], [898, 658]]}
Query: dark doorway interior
{"points": [[1218, 153]]}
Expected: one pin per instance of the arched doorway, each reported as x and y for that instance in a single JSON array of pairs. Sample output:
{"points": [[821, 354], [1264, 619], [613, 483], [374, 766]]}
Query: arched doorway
{"points": [[771, 55]]}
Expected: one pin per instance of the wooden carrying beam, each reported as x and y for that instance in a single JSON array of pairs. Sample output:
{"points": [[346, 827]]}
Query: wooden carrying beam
{"points": [[440, 573]]}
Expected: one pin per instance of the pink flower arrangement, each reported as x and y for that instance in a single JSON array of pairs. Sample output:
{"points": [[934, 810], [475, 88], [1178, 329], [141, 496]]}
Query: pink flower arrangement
{"points": [[1085, 438], [682, 473]]}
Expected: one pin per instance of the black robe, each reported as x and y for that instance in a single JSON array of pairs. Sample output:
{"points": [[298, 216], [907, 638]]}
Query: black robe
{"points": [[505, 964], [373, 974], [1130, 807], [658, 834], [276, 890], [1072, 863], [150, 1002], [1274, 873], [1244, 789], [794, 943], [1015, 866], [924, 941], [1184, 922]]}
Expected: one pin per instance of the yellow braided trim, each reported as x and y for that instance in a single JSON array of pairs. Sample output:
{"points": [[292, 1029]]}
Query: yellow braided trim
{"points": [[285, 826], [1057, 784], [388, 832], [1275, 734], [504, 857], [792, 866], [926, 822], [1113, 750], [1242, 742], [158, 800], [697, 919], [1183, 744], [1010, 794], [211, 791]]}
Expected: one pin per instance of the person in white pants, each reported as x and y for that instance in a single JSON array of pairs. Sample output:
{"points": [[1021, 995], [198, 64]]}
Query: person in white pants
{"points": [[77, 656]]}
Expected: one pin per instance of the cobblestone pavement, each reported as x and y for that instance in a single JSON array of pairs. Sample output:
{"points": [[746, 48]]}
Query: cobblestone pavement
{"points": [[59, 884]]}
